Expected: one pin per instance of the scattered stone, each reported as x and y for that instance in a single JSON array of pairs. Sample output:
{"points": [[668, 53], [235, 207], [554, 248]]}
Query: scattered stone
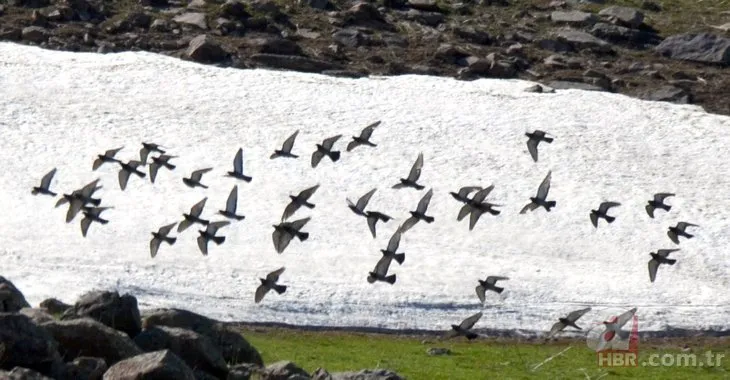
{"points": [[539, 88], [158, 365], [439, 351], [651, 6], [25, 344], [87, 337], [205, 49], [118, 312], [20, 373], [583, 41], [432, 19], [318, 4], [622, 35], [37, 315], [367, 374], [424, 5], [234, 9], [702, 47], [349, 37], [473, 35], [293, 62], [86, 368], [668, 94], [283, 370], [35, 34], [273, 45], [54, 306], [626, 16], [571, 85], [11, 299], [193, 19], [573, 17], [243, 371]]}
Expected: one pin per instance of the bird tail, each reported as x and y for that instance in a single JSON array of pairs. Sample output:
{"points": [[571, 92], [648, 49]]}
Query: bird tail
{"points": [[665, 207], [239, 217], [103, 221], [550, 205], [471, 336], [308, 205], [35, 191], [246, 178], [170, 166], [428, 219], [384, 218], [95, 201], [334, 155], [302, 236], [400, 258], [493, 211], [671, 261], [548, 139], [419, 187], [390, 279], [498, 289], [218, 239], [688, 236], [279, 288], [203, 186], [610, 219], [170, 240]]}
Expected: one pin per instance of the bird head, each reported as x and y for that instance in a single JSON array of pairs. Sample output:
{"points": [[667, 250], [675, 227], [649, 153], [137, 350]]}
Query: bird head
{"points": [[371, 278]]}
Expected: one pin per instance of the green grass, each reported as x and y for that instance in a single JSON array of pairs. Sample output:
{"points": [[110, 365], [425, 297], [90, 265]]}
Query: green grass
{"points": [[481, 359]]}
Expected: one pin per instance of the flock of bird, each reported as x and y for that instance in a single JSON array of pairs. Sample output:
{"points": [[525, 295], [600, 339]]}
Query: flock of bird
{"points": [[82, 200]]}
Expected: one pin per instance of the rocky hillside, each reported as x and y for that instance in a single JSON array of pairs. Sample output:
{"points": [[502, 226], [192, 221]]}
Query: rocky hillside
{"points": [[103, 336], [668, 50]]}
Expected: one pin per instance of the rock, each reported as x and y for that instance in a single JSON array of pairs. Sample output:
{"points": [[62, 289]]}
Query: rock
{"points": [[554, 45], [293, 62], [367, 374], [668, 94], [650, 6], [438, 351], [321, 374], [20, 373], [233, 346], [234, 9], [86, 368], [573, 17], [473, 35], [583, 41], [35, 34], [118, 312], [205, 49], [282, 370], [432, 19], [539, 88], [37, 315], [570, 85], [158, 365], [196, 350], [317, 4], [11, 299], [243, 371], [364, 13], [85, 336], [349, 37], [424, 5], [626, 16], [273, 45], [702, 47], [623, 35], [449, 53], [24, 344], [193, 19], [54, 306]]}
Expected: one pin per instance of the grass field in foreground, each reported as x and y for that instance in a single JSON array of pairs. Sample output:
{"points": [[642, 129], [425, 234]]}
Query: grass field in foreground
{"points": [[480, 359]]}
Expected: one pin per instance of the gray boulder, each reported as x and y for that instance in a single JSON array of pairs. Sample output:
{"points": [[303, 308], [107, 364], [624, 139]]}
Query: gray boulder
{"points": [[702, 47], [86, 368], [37, 315], [87, 337], [24, 344], [20, 373], [580, 40], [573, 17], [118, 312], [205, 49], [158, 365], [54, 306], [11, 299], [627, 16], [283, 370]]}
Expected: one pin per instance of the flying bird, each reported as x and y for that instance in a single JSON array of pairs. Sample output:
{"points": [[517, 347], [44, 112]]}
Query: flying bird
{"points": [[413, 176], [209, 234], [160, 236], [194, 216], [613, 327], [92, 214], [195, 178], [393, 244], [464, 328], [477, 207], [419, 214], [602, 213], [45, 186], [364, 138], [325, 149], [268, 283], [373, 217], [238, 167], [660, 257], [380, 273], [286, 148], [79, 198], [126, 170], [146, 149], [568, 320], [658, 202], [534, 139], [284, 232], [298, 201], [463, 194], [679, 230], [107, 157], [231, 205], [541, 198], [158, 162], [489, 284]]}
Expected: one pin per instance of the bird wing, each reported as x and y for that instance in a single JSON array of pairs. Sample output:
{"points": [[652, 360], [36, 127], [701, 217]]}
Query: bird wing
{"points": [[415, 172], [317, 156], [123, 178], [203, 245], [363, 201], [154, 246], [493, 279], [289, 210], [383, 265], [143, 154], [46, 180], [197, 209], [183, 225], [90, 188], [683, 225], [198, 174], [659, 197], [653, 266], [394, 242], [673, 236], [307, 193], [408, 224], [466, 190], [607, 205], [625, 317], [557, 327], [164, 230], [482, 194], [154, 167], [575, 315], [112, 152], [474, 218], [425, 200], [134, 163], [666, 252], [481, 293], [532, 148], [212, 228], [274, 276], [299, 223], [471, 321], [284, 238], [529, 207], [372, 220], [232, 201], [649, 210], [368, 131], [97, 163], [594, 220], [238, 161], [329, 142], [260, 293], [465, 210], [85, 223], [352, 145], [289, 142], [542, 191]]}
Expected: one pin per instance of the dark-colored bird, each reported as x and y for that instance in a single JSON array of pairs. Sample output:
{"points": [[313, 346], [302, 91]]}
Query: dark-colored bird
{"points": [[364, 138], [195, 177], [658, 202], [380, 273], [160, 236], [568, 320], [146, 149], [284, 232], [286, 148], [209, 234], [107, 157], [325, 149], [393, 244], [541, 198], [298, 201], [45, 186], [238, 167], [534, 139], [268, 283], [419, 214], [660, 257], [489, 284], [126, 170], [463, 194], [231, 205], [92, 214], [602, 213], [413, 176], [464, 327], [477, 207], [157, 162], [373, 217], [80, 198], [679, 230], [194, 216]]}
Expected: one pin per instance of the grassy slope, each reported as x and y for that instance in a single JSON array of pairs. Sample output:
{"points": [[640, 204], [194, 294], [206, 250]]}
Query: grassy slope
{"points": [[338, 351]]}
